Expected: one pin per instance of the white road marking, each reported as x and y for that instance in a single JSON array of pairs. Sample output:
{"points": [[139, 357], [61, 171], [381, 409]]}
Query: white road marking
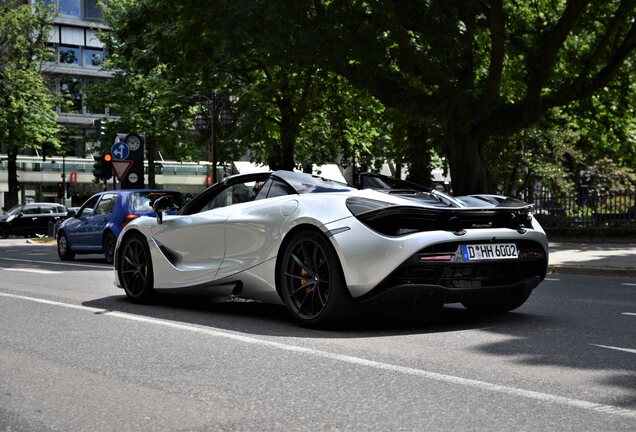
{"points": [[628, 284], [56, 263], [31, 270], [629, 350], [481, 385], [629, 313], [552, 279]]}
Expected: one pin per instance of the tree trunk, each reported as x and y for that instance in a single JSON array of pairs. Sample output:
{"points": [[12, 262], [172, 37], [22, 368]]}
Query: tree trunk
{"points": [[288, 141], [284, 156], [12, 196], [419, 154], [467, 165]]}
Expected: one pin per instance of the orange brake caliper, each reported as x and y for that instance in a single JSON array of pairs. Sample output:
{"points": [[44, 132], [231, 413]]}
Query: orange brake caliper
{"points": [[304, 272]]}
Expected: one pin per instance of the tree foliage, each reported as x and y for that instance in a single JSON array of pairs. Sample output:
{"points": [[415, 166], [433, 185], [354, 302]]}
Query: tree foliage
{"points": [[27, 106], [151, 104], [480, 69], [467, 77], [286, 112]]}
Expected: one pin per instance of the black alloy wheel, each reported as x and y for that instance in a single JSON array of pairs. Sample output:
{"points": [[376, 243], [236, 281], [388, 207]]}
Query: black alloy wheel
{"points": [[5, 230], [312, 283], [64, 248], [109, 247], [135, 269]]}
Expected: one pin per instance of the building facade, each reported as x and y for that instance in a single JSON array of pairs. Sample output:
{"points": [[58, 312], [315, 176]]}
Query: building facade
{"points": [[77, 66]]}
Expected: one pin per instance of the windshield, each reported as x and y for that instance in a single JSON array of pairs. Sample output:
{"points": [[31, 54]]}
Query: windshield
{"points": [[143, 201], [378, 181], [307, 183], [15, 210]]}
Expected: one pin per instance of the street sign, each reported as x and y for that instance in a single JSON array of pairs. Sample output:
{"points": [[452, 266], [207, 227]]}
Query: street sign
{"points": [[120, 150], [121, 168], [129, 147], [132, 177]]}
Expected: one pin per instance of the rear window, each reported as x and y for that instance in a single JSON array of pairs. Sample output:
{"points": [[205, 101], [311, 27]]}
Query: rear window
{"points": [[143, 201]]}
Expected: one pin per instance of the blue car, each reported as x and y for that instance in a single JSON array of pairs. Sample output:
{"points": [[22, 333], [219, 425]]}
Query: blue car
{"points": [[96, 225]]}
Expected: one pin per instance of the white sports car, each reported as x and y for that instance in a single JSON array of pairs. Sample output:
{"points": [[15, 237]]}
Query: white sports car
{"points": [[319, 247]]}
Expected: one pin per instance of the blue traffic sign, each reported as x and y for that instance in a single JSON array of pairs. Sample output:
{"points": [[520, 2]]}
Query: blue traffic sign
{"points": [[120, 150]]}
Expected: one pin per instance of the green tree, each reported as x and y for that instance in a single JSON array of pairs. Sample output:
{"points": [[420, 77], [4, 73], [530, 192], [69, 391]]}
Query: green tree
{"points": [[469, 73], [284, 109], [479, 69], [27, 106], [151, 104]]}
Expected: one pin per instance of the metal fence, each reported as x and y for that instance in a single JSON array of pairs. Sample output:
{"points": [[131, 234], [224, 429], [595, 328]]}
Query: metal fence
{"points": [[585, 209]]}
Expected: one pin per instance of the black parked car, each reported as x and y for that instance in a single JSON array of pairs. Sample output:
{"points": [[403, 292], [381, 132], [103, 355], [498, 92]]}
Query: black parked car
{"points": [[31, 219]]}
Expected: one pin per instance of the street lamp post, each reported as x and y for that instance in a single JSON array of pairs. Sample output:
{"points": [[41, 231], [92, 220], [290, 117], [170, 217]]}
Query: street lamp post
{"points": [[205, 120]]}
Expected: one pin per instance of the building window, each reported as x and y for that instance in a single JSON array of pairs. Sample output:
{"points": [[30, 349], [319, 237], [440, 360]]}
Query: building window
{"points": [[72, 8], [92, 10], [88, 9], [93, 106], [50, 4], [71, 92], [93, 57], [70, 55]]}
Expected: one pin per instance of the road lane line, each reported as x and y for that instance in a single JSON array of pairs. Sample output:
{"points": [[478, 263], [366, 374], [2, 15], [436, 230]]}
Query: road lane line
{"points": [[552, 279], [31, 270], [628, 284], [481, 385], [629, 313], [629, 350], [56, 263]]}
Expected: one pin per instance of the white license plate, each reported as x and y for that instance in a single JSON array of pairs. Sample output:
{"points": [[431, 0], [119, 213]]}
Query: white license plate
{"points": [[478, 252]]}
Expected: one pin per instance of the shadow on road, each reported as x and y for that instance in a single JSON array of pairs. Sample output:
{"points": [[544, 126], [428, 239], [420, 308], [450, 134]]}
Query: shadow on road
{"points": [[534, 339], [252, 317]]}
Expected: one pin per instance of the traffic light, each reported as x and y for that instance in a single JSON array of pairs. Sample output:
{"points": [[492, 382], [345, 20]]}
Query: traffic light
{"points": [[103, 167], [107, 166], [60, 189], [97, 167], [70, 190]]}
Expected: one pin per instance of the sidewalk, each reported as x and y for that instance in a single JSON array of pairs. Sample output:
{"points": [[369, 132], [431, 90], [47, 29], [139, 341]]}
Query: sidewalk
{"points": [[618, 259]]}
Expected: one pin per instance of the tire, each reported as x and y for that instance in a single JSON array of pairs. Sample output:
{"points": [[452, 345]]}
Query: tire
{"points": [[5, 230], [134, 269], [109, 247], [64, 248], [311, 281], [499, 301]]}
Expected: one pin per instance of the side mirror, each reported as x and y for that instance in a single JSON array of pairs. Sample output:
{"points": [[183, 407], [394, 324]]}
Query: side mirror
{"points": [[70, 213], [161, 204]]}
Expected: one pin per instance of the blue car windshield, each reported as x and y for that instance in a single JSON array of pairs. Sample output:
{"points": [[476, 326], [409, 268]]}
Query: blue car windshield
{"points": [[142, 201]]}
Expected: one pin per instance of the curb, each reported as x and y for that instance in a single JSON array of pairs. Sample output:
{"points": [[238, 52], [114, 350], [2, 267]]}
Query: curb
{"points": [[592, 271], [44, 242]]}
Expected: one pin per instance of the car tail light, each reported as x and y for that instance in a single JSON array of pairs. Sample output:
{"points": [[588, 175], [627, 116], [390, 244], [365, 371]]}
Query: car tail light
{"points": [[129, 217], [435, 258]]}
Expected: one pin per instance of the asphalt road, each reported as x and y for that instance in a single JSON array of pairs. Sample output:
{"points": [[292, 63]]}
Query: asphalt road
{"points": [[75, 355]]}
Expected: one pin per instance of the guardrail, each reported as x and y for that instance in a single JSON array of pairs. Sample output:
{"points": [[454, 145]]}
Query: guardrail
{"points": [[615, 209]]}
